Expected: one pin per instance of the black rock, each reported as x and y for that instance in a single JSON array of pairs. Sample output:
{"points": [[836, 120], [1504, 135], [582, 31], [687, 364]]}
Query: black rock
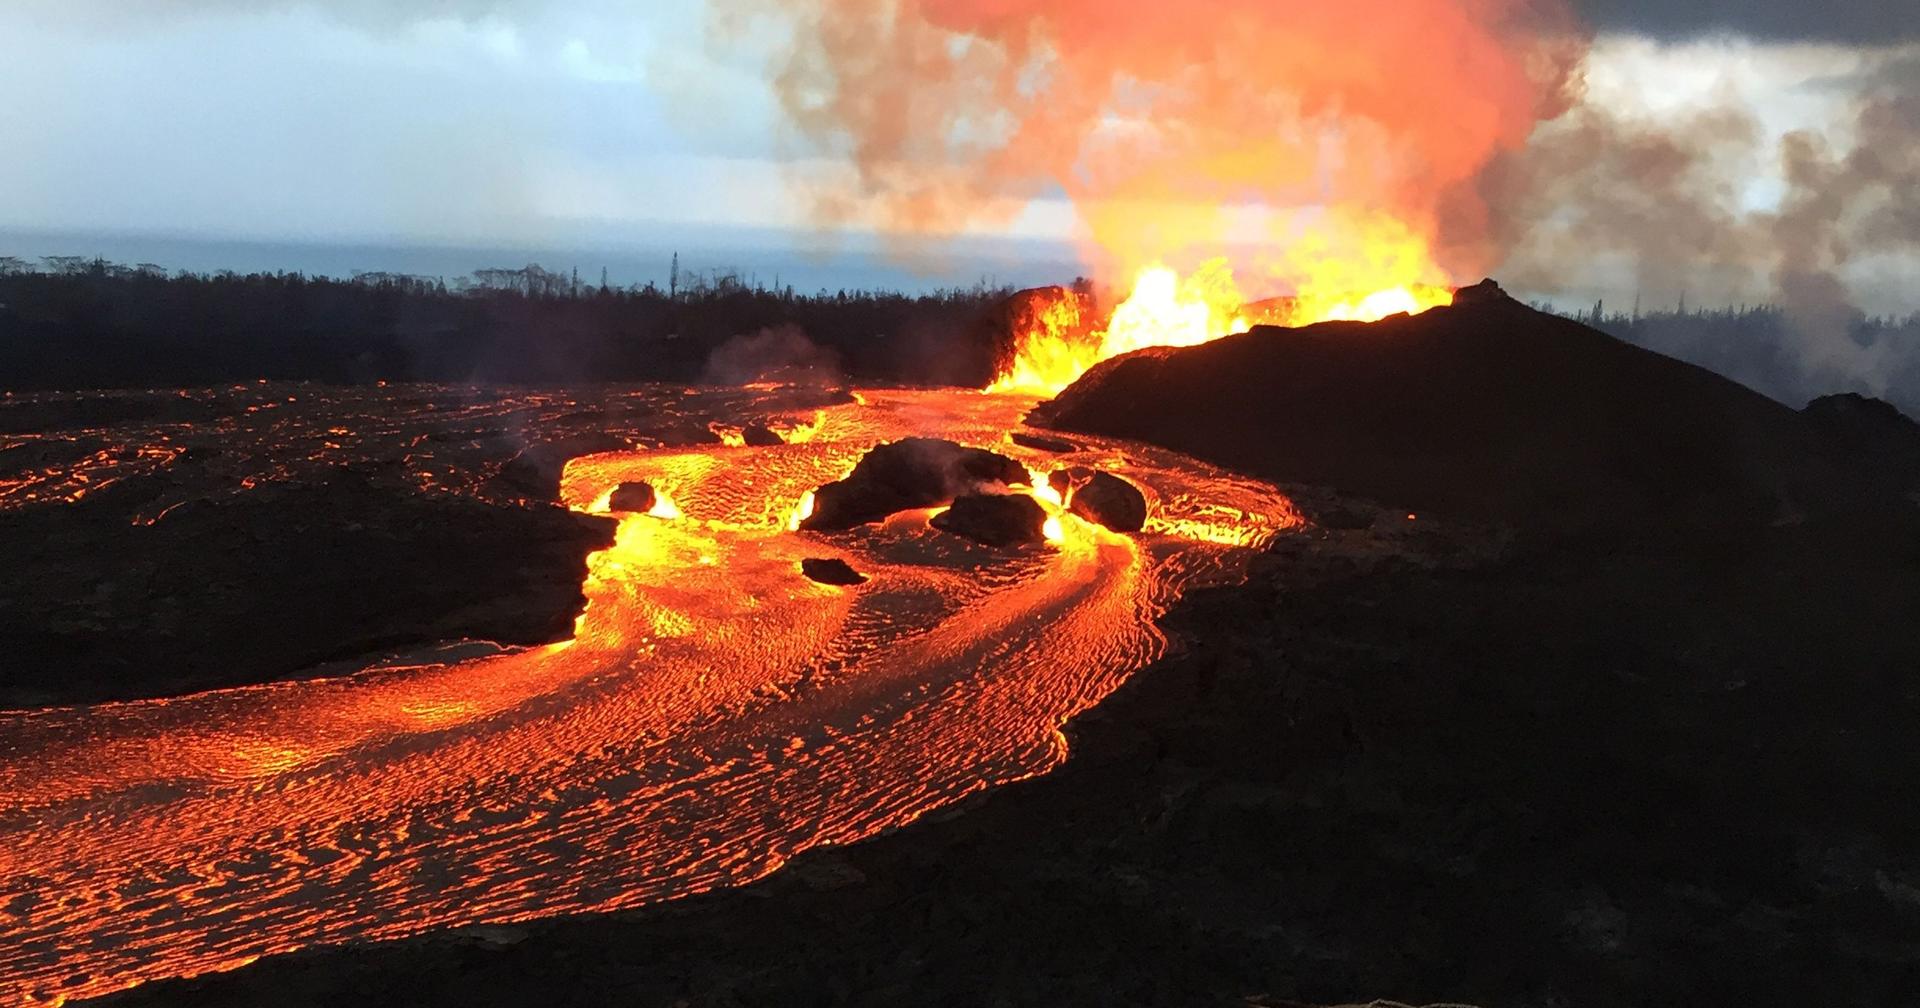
{"points": [[905, 474], [1873, 436], [1042, 443], [535, 472], [995, 519], [1111, 501], [1065, 479], [632, 498], [760, 436], [831, 571], [1485, 292]]}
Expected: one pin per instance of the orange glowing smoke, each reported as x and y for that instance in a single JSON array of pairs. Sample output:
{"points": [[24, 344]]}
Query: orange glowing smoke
{"points": [[1291, 135]]}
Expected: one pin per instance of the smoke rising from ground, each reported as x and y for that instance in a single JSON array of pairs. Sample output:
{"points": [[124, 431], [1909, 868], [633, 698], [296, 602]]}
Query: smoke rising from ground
{"points": [[781, 353]]}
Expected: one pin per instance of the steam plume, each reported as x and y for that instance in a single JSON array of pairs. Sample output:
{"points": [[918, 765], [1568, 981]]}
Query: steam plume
{"points": [[1668, 196], [780, 353], [1865, 199]]}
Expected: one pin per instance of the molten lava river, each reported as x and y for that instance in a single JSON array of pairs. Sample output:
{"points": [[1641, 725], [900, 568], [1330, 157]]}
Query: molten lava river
{"points": [[715, 713]]}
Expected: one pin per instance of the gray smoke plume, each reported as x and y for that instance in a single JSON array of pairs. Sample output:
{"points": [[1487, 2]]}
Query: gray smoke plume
{"points": [[1842, 204], [781, 353], [1668, 198]]}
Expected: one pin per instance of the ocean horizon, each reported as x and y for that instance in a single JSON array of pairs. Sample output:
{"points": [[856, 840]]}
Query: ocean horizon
{"points": [[771, 259]]}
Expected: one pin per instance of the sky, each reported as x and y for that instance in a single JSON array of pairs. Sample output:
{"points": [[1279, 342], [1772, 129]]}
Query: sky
{"points": [[510, 123]]}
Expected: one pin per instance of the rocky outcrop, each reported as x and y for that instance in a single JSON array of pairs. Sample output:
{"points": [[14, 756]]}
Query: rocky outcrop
{"points": [[636, 497], [1040, 442], [995, 519], [1485, 292], [760, 436], [1872, 435], [1108, 500], [1064, 479], [832, 571], [906, 474]]}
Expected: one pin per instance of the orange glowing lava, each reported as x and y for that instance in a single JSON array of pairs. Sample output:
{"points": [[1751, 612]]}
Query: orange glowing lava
{"points": [[1164, 309], [664, 507], [801, 512], [716, 713], [1043, 491], [795, 432]]}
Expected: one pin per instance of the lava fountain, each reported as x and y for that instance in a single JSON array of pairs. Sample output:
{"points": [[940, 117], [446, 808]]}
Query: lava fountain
{"points": [[1057, 344]]}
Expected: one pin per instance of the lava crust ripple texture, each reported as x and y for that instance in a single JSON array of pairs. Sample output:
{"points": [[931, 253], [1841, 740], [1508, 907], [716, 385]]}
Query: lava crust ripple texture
{"points": [[716, 713]]}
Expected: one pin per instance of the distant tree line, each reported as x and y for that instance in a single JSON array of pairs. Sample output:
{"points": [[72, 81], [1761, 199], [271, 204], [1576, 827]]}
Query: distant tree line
{"points": [[69, 322], [1764, 348], [76, 322]]}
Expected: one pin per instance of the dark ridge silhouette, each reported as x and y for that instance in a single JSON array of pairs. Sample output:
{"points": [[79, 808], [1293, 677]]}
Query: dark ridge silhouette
{"points": [[1878, 439], [1488, 410], [81, 323]]}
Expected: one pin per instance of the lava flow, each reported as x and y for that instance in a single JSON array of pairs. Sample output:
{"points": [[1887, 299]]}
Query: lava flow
{"points": [[715, 713]]}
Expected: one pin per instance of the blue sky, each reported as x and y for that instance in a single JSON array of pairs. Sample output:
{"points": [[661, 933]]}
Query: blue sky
{"points": [[295, 122]]}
